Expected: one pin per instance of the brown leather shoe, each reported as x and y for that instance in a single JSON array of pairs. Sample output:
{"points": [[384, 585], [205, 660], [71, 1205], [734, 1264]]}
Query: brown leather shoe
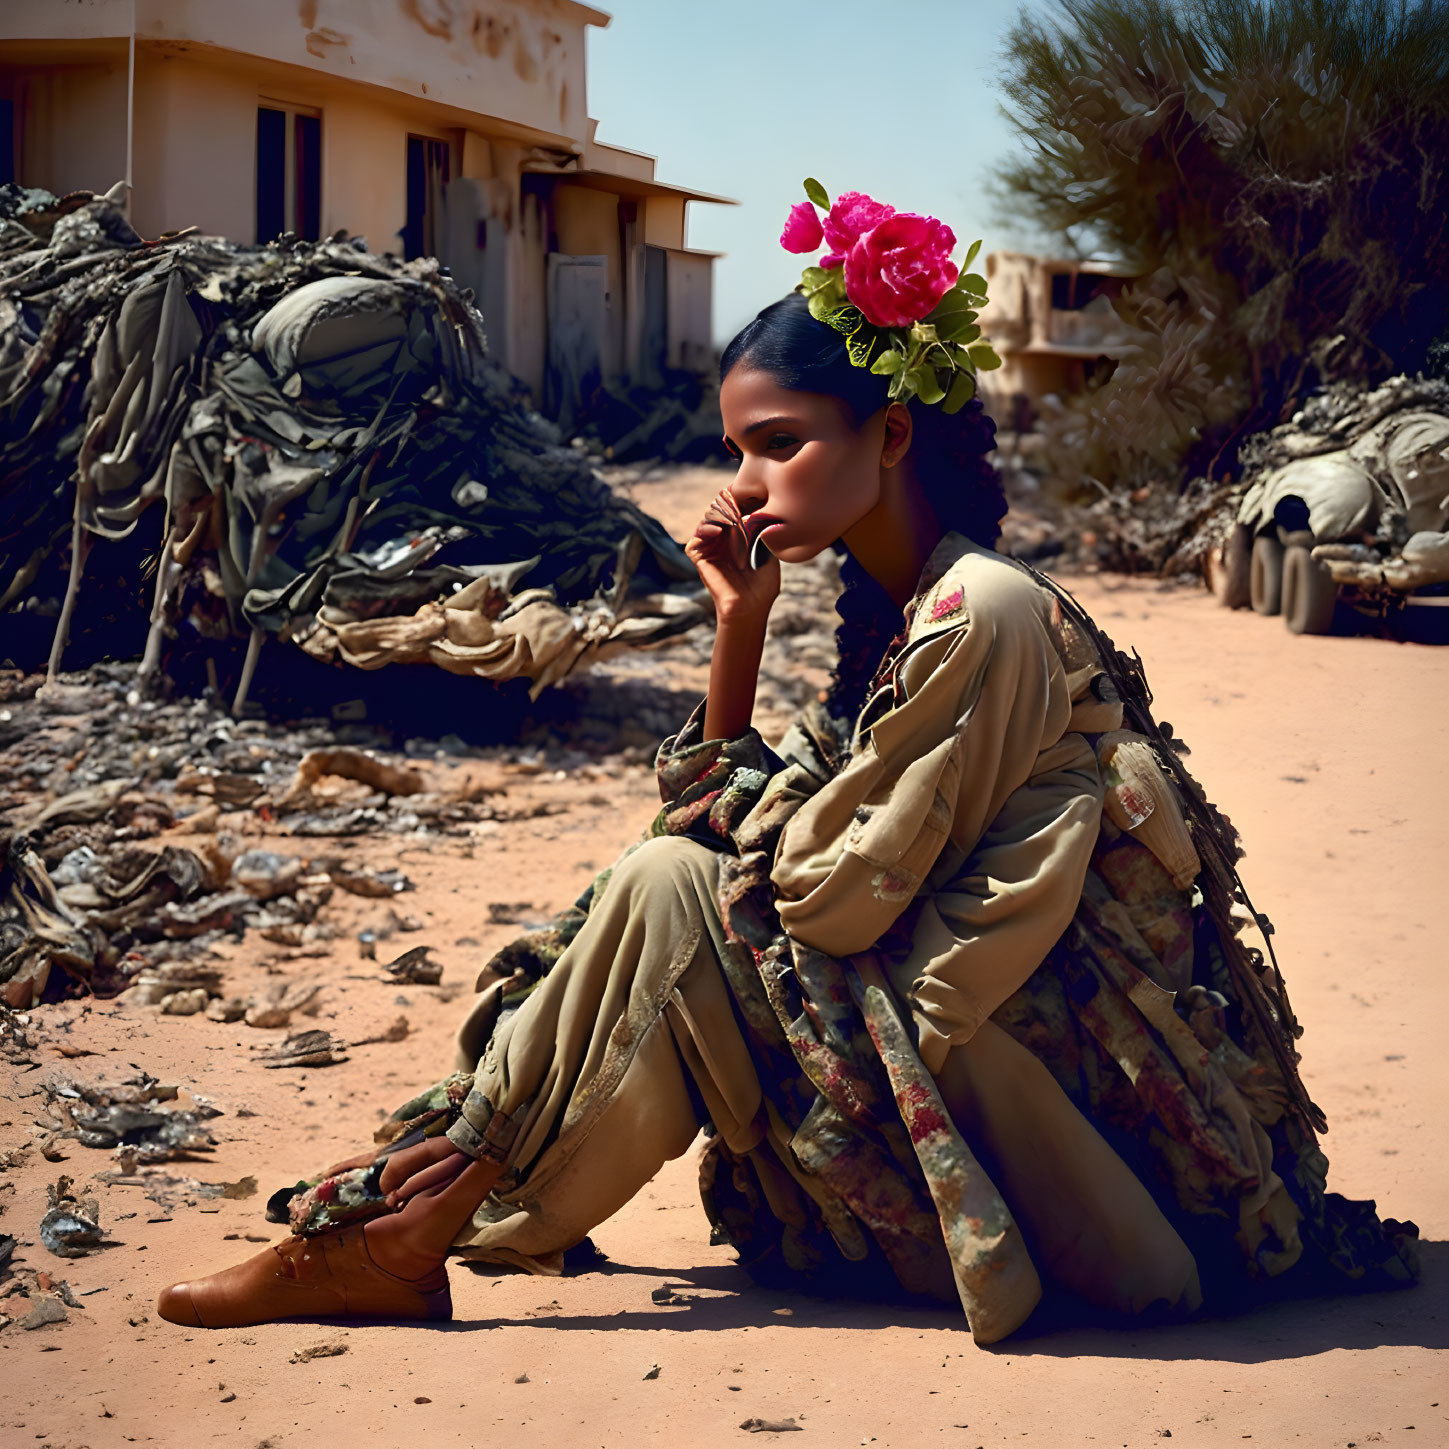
{"points": [[331, 1275]]}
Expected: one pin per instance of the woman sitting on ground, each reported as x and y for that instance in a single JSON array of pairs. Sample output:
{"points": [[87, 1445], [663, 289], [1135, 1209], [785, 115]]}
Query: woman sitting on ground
{"points": [[952, 977]]}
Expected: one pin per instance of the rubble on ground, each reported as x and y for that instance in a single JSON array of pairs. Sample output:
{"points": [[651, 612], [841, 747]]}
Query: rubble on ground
{"points": [[676, 420], [92, 776], [139, 1119], [304, 441], [71, 1225]]}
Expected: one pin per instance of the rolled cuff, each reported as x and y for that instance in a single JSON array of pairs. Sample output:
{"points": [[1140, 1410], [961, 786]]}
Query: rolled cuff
{"points": [[482, 1132]]}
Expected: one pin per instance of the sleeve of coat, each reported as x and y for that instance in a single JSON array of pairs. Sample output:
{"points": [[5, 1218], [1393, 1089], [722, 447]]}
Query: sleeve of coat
{"points": [[970, 791]]}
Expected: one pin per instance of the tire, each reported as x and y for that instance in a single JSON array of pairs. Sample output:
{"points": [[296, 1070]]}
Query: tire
{"points": [[1309, 593], [1265, 575], [1229, 570]]}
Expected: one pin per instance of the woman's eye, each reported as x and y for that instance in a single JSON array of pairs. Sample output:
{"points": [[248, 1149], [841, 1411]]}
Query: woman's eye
{"points": [[779, 441]]}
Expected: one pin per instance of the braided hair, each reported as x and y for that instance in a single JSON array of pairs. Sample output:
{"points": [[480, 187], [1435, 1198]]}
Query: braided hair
{"points": [[949, 450]]}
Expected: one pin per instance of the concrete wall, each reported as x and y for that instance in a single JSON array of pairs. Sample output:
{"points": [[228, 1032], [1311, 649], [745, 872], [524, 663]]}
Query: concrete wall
{"points": [[519, 60], [664, 221], [72, 122], [194, 148], [364, 166], [72, 20]]}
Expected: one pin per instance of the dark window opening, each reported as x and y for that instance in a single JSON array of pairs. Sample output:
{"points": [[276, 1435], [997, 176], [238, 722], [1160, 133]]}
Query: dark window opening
{"points": [[307, 165], [7, 141], [271, 173], [289, 174], [1071, 291], [429, 166]]}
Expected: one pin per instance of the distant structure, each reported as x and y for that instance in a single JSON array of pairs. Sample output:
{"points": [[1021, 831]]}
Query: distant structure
{"points": [[448, 128], [1051, 322]]}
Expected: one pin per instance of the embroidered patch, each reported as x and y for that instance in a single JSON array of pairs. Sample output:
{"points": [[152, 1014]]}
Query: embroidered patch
{"points": [[949, 606], [892, 886]]}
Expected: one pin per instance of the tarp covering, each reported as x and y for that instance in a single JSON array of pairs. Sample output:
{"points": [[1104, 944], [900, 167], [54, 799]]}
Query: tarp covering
{"points": [[335, 459]]}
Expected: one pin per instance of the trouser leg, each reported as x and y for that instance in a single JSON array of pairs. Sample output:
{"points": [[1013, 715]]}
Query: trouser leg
{"points": [[583, 1092]]}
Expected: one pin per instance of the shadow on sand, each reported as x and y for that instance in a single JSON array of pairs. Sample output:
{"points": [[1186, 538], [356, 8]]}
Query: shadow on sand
{"points": [[720, 1299]]}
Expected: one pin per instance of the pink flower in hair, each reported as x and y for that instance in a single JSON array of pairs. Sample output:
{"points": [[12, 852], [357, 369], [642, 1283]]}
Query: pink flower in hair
{"points": [[897, 271], [853, 214], [802, 232]]}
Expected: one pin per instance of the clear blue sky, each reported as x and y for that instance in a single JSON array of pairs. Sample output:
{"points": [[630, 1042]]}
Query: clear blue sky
{"points": [[746, 98]]}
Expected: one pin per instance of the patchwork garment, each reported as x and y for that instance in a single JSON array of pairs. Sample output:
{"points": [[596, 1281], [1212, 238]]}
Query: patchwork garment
{"points": [[1002, 877]]}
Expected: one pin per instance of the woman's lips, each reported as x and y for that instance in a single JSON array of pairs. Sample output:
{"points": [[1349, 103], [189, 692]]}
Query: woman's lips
{"points": [[757, 525]]}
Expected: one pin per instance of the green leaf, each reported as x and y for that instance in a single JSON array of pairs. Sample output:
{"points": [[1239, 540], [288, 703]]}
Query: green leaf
{"points": [[927, 386], [961, 391], [847, 320], [971, 255], [862, 342], [972, 282], [890, 363], [953, 315], [983, 356], [825, 290], [822, 305], [817, 193]]}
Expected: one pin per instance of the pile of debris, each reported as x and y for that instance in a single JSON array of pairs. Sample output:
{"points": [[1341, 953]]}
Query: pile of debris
{"points": [[677, 421], [304, 441], [92, 774]]}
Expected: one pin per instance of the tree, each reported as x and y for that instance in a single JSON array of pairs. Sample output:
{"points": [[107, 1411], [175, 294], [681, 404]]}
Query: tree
{"points": [[1274, 175]]}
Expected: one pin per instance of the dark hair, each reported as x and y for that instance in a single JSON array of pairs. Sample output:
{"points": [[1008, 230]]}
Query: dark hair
{"points": [[949, 451]]}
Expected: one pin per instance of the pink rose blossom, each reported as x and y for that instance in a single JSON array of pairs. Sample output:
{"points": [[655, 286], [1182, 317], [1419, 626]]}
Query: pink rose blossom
{"points": [[897, 272], [853, 214], [803, 232]]}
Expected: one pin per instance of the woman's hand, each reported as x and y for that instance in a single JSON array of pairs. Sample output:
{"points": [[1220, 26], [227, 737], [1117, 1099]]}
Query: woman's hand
{"points": [[720, 553], [425, 1166]]}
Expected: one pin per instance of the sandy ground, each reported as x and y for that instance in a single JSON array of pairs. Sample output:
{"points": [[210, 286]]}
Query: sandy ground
{"points": [[1327, 753]]}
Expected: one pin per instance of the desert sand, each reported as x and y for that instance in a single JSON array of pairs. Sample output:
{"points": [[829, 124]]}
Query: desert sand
{"points": [[1327, 753]]}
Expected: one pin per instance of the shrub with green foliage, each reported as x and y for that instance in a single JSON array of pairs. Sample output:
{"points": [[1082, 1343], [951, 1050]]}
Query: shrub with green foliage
{"points": [[1276, 176]]}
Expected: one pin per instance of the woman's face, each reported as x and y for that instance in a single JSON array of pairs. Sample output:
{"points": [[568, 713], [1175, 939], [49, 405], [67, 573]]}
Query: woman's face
{"points": [[803, 466]]}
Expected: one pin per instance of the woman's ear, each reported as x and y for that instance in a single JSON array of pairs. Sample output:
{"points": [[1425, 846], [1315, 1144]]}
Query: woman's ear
{"points": [[898, 432]]}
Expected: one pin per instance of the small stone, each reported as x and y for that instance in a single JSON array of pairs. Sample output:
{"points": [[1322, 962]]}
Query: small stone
{"points": [[523, 1379], [184, 1003], [45, 1310], [318, 1350], [653, 1372]]}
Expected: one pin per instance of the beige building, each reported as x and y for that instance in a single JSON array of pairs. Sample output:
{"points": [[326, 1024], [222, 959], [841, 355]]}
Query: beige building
{"points": [[1052, 324], [452, 128]]}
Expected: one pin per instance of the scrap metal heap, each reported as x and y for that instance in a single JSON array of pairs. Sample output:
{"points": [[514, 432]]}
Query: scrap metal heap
{"points": [[320, 447]]}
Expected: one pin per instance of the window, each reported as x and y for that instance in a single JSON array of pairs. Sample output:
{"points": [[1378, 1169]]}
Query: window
{"points": [[1073, 291], [7, 140], [289, 173], [429, 167]]}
